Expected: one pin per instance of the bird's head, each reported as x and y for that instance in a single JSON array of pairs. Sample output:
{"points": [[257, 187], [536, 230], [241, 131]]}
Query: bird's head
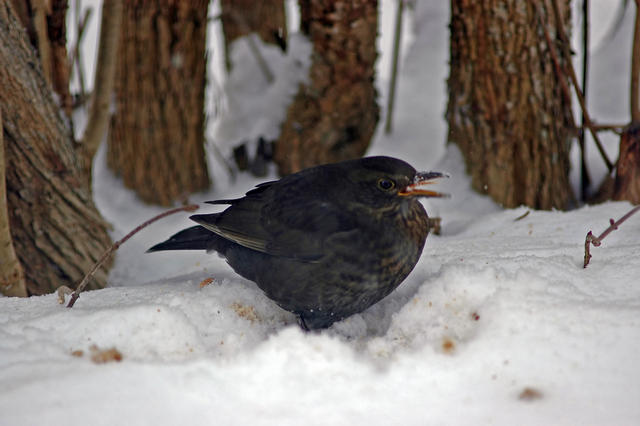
{"points": [[383, 182]]}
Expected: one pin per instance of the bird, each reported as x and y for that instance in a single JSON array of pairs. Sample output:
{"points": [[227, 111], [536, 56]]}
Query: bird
{"points": [[326, 242]]}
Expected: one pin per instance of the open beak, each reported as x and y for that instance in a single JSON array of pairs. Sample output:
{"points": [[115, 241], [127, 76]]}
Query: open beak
{"points": [[416, 189]]}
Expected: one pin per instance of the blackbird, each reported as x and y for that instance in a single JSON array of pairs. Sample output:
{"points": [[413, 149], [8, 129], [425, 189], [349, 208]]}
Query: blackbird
{"points": [[326, 242]]}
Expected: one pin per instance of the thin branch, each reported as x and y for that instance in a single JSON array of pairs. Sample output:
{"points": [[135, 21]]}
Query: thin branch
{"points": [[262, 63], [253, 47], [615, 128], [104, 79], [118, 243], [40, 13], [616, 23], [574, 80], [596, 241], [62, 292], [585, 180], [75, 57], [220, 157], [394, 66]]}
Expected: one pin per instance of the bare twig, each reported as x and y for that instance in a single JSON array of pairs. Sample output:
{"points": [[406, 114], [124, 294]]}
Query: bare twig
{"points": [[522, 216], [394, 66], [104, 79], [253, 47], [616, 23], [574, 80], [63, 291], [585, 180], [117, 244], [220, 157], [40, 13], [615, 128], [75, 58], [596, 241]]}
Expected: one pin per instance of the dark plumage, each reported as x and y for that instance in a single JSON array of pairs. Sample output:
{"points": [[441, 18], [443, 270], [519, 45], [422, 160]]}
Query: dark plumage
{"points": [[324, 243]]}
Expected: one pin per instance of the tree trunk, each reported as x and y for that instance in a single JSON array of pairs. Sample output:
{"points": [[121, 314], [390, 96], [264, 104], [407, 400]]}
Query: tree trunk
{"points": [[156, 138], [506, 109], [12, 281], [56, 232], [242, 17], [626, 185], [333, 117], [627, 181], [45, 22], [60, 72]]}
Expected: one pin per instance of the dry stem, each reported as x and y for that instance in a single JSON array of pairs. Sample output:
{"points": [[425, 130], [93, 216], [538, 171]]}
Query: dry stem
{"points": [[44, 45], [253, 47], [394, 67], [75, 59], [117, 244], [585, 180], [596, 241], [574, 80], [104, 79], [615, 128]]}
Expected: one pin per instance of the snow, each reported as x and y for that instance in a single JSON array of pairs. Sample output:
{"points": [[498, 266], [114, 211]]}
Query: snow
{"points": [[498, 324], [255, 107]]}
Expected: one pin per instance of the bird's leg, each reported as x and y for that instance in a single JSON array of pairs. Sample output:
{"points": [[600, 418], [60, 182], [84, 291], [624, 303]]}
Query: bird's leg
{"points": [[302, 323]]}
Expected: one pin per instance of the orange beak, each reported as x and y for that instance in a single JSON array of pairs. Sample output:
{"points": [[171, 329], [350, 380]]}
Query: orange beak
{"points": [[423, 178]]}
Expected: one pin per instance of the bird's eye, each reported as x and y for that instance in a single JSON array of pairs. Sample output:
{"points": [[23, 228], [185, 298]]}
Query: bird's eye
{"points": [[386, 184]]}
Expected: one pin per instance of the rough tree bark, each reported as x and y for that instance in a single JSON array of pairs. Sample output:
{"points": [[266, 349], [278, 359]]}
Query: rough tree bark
{"points": [[241, 17], [506, 109], [626, 185], [12, 281], [333, 117], [156, 138], [45, 22], [56, 231]]}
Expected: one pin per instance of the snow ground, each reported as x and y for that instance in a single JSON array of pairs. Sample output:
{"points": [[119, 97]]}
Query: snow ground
{"points": [[498, 324]]}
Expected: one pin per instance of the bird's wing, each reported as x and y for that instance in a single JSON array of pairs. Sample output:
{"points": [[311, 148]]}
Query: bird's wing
{"points": [[294, 223]]}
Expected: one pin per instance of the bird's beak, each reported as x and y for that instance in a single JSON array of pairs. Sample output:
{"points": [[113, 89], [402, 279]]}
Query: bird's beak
{"points": [[423, 178]]}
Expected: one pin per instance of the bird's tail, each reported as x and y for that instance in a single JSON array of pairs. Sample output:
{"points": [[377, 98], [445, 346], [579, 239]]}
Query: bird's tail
{"points": [[194, 238]]}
